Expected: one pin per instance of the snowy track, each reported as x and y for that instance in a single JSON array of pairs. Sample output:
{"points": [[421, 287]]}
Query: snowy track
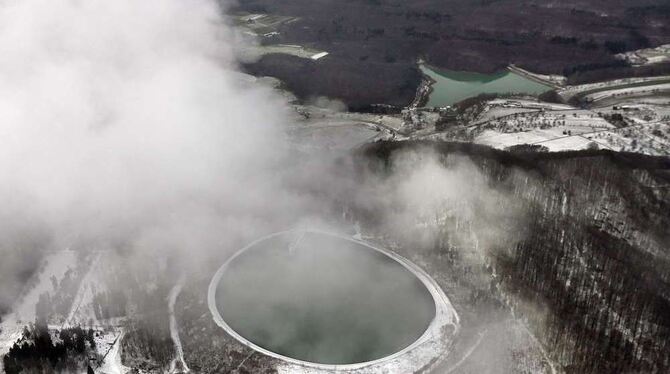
{"points": [[178, 365]]}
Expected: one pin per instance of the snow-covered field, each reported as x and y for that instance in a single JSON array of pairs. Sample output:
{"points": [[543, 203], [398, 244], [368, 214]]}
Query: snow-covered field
{"points": [[504, 124], [548, 139], [652, 139], [645, 127], [499, 109]]}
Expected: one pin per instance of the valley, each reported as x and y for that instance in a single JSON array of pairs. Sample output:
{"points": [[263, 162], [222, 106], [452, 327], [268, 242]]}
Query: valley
{"points": [[368, 186]]}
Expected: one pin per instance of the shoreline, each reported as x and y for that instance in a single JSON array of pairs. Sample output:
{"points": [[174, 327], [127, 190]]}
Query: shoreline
{"points": [[425, 89], [423, 92]]}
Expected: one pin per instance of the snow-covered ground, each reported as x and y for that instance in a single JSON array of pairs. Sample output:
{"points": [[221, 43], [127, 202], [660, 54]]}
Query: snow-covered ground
{"points": [[111, 344], [506, 123], [630, 91], [81, 311], [319, 55], [109, 332], [546, 138], [647, 56], [507, 120], [255, 26], [491, 113], [502, 109], [177, 365], [53, 265], [645, 127], [568, 92], [652, 139], [294, 50], [56, 264]]}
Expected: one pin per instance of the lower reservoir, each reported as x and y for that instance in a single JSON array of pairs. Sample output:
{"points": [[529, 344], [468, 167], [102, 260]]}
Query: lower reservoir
{"points": [[451, 87]]}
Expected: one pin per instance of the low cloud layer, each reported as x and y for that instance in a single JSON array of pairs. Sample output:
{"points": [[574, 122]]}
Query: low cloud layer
{"points": [[422, 199], [124, 124]]}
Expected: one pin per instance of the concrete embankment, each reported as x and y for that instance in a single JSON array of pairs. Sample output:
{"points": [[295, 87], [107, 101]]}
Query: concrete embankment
{"points": [[534, 77]]}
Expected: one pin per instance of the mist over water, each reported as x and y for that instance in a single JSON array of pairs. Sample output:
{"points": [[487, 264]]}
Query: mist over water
{"points": [[323, 299]]}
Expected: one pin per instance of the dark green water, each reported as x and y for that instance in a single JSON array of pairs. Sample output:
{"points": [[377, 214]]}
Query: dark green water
{"points": [[454, 86], [328, 301]]}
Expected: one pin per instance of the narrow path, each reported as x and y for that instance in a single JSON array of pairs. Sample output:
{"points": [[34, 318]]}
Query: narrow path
{"points": [[547, 359], [468, 353], [178, 365], [111, 361], [237, 369]]}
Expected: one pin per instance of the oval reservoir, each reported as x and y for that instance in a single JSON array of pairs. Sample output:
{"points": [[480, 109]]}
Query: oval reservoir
{"points": [[322, 298]]}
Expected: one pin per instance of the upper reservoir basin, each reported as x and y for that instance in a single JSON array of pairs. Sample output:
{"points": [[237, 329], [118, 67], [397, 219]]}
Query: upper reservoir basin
{"points": [[323, 299], [451, 87]]}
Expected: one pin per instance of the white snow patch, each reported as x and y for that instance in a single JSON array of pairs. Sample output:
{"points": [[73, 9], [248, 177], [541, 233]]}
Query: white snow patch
{"points": [[319, 55], [112, 362], [542, 137]]}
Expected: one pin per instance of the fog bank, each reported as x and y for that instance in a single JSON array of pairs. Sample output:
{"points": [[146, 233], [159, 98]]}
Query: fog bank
{"points": [[124, 125]]}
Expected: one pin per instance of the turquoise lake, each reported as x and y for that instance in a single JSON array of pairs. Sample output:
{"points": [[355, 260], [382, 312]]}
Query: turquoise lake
{"points": [[451, 87]]}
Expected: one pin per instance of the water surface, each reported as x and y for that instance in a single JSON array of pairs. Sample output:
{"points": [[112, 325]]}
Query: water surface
{"points": [[451, 87], [323, 299]]}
